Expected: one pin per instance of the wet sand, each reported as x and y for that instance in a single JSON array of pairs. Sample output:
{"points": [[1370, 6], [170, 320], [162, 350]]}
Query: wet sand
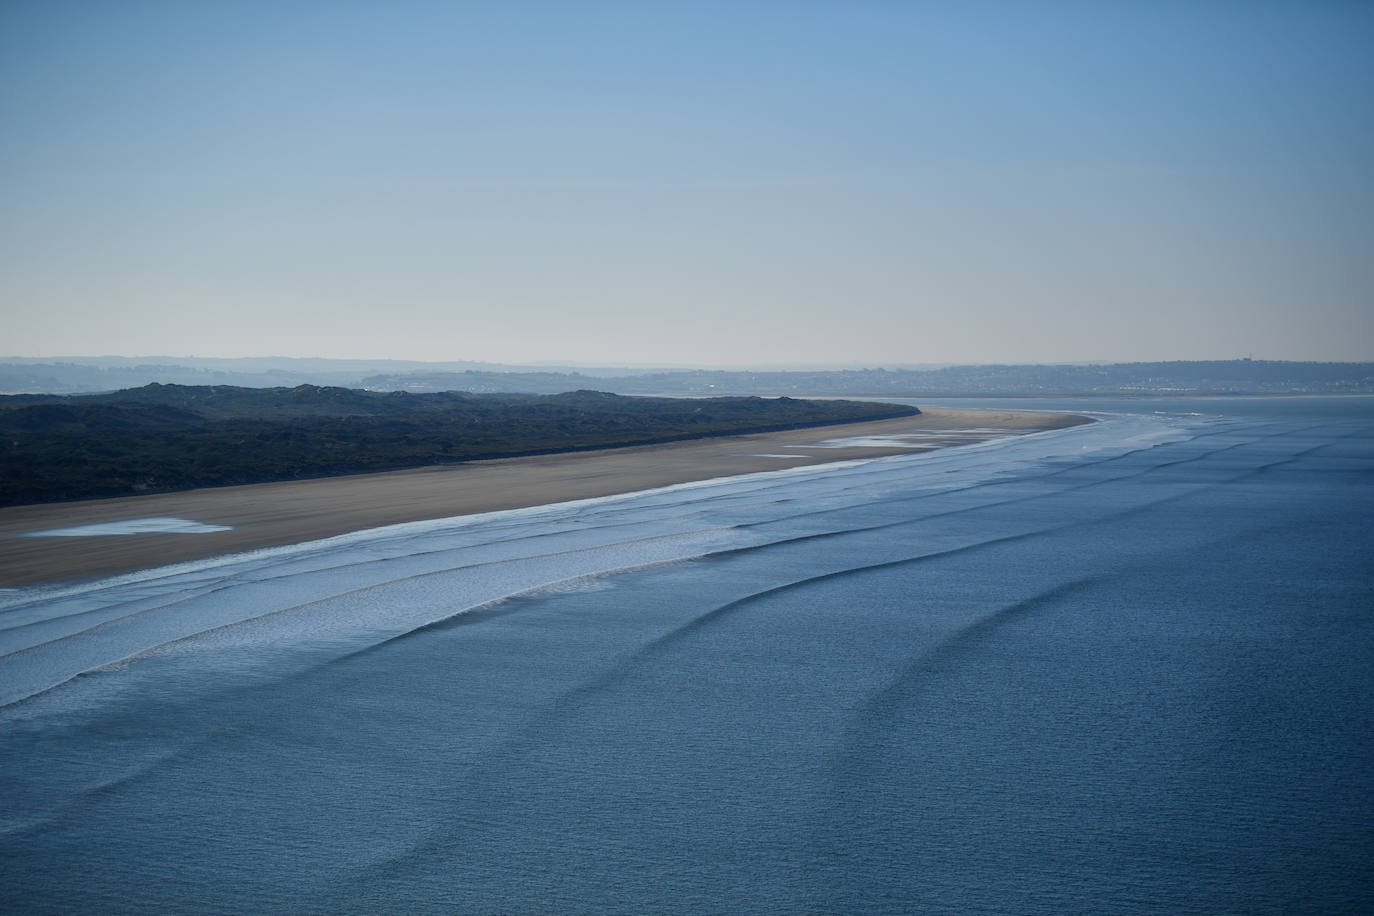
{"points": [[289, 512]]}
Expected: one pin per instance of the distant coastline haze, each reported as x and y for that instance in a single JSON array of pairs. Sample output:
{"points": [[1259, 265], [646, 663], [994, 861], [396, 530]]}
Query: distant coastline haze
{"points": [[719, 184]]}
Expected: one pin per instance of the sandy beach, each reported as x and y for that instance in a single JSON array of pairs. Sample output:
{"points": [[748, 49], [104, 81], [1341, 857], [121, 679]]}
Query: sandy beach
{"points": [[289, 512]]}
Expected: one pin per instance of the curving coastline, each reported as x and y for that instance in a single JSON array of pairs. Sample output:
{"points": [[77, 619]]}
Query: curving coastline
{"points": [[275, 514]]}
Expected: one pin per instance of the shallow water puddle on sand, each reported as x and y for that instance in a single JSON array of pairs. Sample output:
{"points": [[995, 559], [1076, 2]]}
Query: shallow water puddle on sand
{"points": [[160, 525], [923, 440]]}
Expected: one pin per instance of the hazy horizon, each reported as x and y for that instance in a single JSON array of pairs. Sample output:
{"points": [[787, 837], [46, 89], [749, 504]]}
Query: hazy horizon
{"points": [[619, 368], [744, 185]]}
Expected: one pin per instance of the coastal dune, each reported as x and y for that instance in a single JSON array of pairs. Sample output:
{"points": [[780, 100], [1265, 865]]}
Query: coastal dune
{"points": [[240, 518]]}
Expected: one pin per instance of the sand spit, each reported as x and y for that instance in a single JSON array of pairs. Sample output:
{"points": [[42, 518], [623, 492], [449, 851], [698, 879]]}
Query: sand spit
{"points": [[289, 512]]}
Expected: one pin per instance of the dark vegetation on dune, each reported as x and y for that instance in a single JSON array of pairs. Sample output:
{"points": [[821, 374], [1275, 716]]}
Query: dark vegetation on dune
{"points": [[171, 437]]}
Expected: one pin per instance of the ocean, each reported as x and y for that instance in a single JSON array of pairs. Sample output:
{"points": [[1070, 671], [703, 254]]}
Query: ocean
{"points": [[1125, 667]]}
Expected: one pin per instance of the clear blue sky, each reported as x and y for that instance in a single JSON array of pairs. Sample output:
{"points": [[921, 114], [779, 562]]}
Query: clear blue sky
{"points": [[652, 182]]}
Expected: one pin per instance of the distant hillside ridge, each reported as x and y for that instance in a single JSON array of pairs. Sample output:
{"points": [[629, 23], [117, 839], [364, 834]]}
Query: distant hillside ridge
{"points": [[1191, 378], [1228, 377], [171, 437], [85, 375]]}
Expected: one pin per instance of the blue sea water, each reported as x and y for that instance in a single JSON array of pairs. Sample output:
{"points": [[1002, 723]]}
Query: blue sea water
{"points": [[1126, 667]]}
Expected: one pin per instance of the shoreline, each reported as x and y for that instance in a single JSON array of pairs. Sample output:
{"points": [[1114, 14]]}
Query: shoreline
{"points": [[256, 516]]}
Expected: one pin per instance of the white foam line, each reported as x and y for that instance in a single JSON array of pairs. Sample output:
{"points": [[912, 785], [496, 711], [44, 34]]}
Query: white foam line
{"points": [[291, 624], [532, 513]]}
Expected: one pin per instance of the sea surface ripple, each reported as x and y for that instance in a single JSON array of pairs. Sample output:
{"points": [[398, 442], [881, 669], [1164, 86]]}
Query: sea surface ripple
{"points": [[1124, 667]]}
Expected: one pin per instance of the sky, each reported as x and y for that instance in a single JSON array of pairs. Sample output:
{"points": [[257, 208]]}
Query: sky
{"points": [[675, 183]]}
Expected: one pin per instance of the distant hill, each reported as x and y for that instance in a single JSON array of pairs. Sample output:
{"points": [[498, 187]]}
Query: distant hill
{"points": [[1229, 377], [168, 437], [89, 374], [1215, 377]]}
